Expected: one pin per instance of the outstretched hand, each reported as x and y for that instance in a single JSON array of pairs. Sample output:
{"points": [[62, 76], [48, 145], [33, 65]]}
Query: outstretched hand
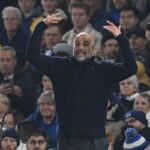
{"points": [[52, 19], [111, 27]]}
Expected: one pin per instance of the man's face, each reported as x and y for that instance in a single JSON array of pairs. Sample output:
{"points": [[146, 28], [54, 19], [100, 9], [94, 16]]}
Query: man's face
{"points": [[111, 48], [83, 46], [147, 35], [137, 43], [79, 17], [49, 5], [127, 88], [7, 62], [26, 5], [128, 20], [11, 21], [52, 36], [47, 84], [36, 143], [8, 144]]}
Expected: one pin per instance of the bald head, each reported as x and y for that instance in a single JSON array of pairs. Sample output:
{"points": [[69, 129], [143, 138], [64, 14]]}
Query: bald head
{"points": [[84, 45]]}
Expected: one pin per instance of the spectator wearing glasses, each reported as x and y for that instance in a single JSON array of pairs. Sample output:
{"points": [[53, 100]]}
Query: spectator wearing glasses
{"points": [[37, 140]]}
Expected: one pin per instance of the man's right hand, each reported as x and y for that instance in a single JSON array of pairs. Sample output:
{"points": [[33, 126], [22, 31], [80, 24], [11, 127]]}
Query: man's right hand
{"points": [[52, 19]]}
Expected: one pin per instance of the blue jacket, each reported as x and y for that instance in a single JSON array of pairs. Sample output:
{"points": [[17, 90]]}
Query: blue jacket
{"points": [[81, 88], [50, 128]]}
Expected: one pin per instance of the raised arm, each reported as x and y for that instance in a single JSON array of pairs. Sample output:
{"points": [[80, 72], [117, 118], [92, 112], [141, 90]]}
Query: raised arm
{"points": [[33, 50], [128, 66]]}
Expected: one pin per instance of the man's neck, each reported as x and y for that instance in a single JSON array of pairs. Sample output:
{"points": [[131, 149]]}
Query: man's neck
{"points": [[28, 14], [48, 119], [11, 34], [79, 29]]}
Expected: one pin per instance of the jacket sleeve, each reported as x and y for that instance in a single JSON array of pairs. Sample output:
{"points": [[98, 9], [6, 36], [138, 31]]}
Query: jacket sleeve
{"points": [[127, 67], [38, 60]]}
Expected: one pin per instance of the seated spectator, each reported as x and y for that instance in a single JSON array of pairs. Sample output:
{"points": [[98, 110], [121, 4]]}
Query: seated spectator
{"points": [[25, 128], [5, 105], [144, 80], [129, 91], [80, 15], [52, 36], [15, 82], [110, 47], [134, 119], [29, 12], [142, 103], [10, 119], [9, 139], [37, 140], [129, 19], [13, 34], [133, 140], [47, 84], [45, 116], [49, 7], [114, 7]]}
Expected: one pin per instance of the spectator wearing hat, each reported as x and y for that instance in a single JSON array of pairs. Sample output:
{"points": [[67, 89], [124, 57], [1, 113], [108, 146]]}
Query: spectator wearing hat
{"points": [[134, 119], [9, 139], [129, 90], [134, 141]]}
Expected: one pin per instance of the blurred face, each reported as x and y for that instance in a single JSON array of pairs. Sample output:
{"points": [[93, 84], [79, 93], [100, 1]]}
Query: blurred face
{"points": [[127, 88], [119, 3], [7, 62], [83, 46], [3, 107], [52, 36], [36, 143], [26, 5], [49, 5], [137, 43], [8, 144], [94, 4], [134, 123], [11, 21], [9, 121], [128, 20], [47, 109], [147, 35], [142, 104], [79, 17], [111, 48], [47, 84]]}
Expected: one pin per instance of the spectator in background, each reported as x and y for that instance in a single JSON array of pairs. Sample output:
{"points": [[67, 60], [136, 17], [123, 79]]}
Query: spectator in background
{"points": [[80, 15], [13, 35], [129, 19], [142, 103], [29, 12], [5, 105], [46, 84], [37, 140], [129, 89], [15, 82], [25, 128], [51, 36], [9, 139], [99, 15], [10, 119], [45, 116], [144, 80], [49, 7], [114, 7]]}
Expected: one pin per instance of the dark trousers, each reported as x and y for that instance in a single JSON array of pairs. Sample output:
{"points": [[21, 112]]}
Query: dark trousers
{"points": [[76, 143]]}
